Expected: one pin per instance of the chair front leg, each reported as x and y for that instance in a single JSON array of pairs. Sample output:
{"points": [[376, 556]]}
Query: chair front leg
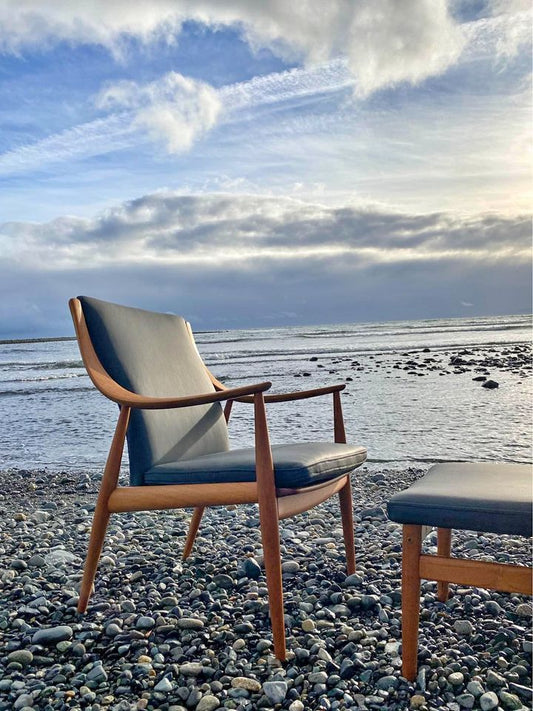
{"points": [[345, 494], [269, 522], [101, 512], [346, 506], [412, 545]]}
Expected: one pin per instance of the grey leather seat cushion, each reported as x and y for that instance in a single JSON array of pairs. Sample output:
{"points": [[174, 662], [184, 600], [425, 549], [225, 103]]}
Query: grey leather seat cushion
{"points": [[479, 497], [295, 465]]}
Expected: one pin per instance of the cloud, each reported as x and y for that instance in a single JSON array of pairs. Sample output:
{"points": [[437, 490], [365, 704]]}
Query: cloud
{"points": [[174, 108], [385, 42], [170, 228], [247, 260]]}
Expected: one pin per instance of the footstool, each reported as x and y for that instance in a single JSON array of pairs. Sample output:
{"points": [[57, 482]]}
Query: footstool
{"points": [[493, 498]]}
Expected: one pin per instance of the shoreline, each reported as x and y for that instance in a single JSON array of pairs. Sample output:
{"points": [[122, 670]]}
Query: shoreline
{"points": [[162, 634]]}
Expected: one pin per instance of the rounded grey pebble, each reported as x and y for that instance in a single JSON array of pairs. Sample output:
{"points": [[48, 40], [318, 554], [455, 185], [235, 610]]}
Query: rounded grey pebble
{"points": [[290, 566], [208, 703], [353, 580], [463, 627], [191, 669], [24, 700], [223, 581], [492, 608], [387, 682], [525, 609], [510, 701], [466, 701], [251, 568], [456, 678], [145, 623], [21, 656], [488, 701], [475, 688], [494, 679], [190, 623]]}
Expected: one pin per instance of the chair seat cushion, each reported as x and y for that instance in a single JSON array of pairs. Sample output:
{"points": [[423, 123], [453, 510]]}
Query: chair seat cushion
{"points": [[479, 497], [295, 465]]}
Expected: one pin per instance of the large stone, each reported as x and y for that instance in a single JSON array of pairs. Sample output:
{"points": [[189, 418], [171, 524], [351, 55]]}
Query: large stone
{"points": [[490, 384], [275, 691], [52, 635]]}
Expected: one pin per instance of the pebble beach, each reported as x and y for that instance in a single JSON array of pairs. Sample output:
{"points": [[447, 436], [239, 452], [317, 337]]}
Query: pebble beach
{"points": [[165, 634]]}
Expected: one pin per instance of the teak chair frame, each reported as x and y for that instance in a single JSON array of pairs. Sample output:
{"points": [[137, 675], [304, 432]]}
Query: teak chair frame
{"points": [[274, 503], [445, 569]]}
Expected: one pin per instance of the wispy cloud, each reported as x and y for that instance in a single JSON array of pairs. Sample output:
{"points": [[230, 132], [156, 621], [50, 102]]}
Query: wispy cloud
{"points": [[93, 138]]}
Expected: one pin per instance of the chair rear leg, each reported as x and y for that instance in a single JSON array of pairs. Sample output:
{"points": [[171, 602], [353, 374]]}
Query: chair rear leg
{"points": [[346, 506], [272, 559], [96, 542], [412, 543], [444, 547], [193, 530]]}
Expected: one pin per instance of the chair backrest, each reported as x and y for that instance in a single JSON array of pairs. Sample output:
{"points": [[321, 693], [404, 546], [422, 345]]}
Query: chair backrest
{"points": [[153, 354]]}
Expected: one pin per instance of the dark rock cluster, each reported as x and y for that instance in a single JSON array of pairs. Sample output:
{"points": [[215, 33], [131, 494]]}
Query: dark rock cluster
{"points": [[480, 361]]}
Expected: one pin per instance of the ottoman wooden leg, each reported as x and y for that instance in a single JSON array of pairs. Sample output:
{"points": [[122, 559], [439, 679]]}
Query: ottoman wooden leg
{"points": [[444, 547], [412, 543]]}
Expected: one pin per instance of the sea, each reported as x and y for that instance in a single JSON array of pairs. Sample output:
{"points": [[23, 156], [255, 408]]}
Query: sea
{"points": [[404, 398]]}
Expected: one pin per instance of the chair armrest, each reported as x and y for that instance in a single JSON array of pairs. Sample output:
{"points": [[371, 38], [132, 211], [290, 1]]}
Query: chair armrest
{"points": [[300, 395], [129, 399]]}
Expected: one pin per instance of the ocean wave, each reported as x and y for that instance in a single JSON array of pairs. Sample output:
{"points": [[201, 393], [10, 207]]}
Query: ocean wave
{"points": [[252, 355], [45, 378], [39, 391], [42, 365]]}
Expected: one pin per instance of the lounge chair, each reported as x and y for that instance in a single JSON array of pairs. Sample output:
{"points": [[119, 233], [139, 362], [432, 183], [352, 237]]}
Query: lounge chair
{"points": [[177, 438], [493, 498]]}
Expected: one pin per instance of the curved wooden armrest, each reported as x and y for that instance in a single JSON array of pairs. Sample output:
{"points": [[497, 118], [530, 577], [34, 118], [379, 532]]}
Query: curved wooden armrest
{"points": [[299, 395], [161, 403]]}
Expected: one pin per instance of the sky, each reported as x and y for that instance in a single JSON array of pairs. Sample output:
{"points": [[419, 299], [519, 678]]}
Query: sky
{"points": [[255, 163]]}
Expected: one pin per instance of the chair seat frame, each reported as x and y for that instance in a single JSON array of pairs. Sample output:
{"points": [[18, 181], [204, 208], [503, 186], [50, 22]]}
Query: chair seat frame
{"points": [[274, 503]]}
